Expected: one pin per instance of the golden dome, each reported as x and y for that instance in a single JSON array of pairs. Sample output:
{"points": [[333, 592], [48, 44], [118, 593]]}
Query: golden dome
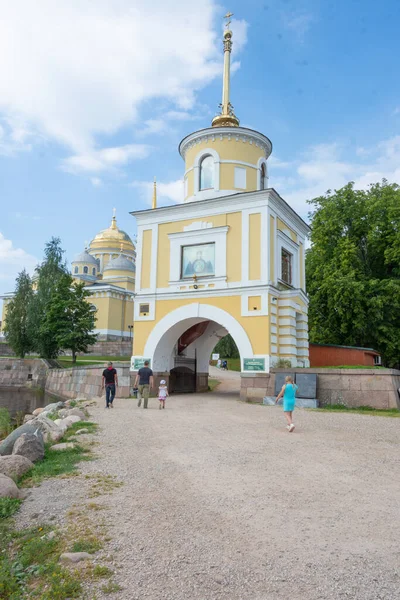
{"points": [[112, 238]]}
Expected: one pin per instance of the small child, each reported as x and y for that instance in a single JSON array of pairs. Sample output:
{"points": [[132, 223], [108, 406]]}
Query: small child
{"points": [[288, 392], [162, 393]]}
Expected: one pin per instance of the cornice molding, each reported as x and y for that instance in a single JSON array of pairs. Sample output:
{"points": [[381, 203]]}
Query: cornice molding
{"points": [[221, 205], [238, 134]]}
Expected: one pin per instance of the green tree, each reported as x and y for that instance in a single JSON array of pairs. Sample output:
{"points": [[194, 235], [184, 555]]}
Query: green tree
{"points": [[48, 274], [18, 330], [70, 318], [353, 269], [227, 348]]}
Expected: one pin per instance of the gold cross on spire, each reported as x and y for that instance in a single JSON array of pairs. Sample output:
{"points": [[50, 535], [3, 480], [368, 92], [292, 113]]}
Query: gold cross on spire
{"points": [[226, 118], [228, 17]]}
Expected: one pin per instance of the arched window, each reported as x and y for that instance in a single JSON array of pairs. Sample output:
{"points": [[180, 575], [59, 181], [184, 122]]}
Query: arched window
{"points": [[85, 270], [94, 271], [263, 178], [76, 270], [207, 173]]}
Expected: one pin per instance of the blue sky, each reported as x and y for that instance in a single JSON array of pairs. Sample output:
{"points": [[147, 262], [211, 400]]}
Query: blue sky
{"points": [[96, 96]]}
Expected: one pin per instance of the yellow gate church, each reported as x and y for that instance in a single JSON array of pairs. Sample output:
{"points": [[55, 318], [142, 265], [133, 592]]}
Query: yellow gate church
{"points": [[230, 259]]}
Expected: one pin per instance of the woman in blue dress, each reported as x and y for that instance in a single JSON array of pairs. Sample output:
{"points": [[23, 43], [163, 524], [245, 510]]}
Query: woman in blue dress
{"points": [[288, 392]]}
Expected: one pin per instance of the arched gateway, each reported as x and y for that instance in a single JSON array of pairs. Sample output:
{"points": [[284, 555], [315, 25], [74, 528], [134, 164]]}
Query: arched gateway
{"points": [[182, 341], [229, 259]]}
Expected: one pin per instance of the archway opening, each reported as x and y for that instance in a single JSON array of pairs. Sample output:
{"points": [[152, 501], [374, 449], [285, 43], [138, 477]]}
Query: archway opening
{"points": [[184, 352]]}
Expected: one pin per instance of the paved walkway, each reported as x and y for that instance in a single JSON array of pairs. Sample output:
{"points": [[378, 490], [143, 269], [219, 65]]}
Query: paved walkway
{"points": [[220, 502], [230, 380]]}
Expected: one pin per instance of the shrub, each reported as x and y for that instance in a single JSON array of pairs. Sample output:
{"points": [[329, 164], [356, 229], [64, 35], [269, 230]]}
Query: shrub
{"points": [[5, 422]]}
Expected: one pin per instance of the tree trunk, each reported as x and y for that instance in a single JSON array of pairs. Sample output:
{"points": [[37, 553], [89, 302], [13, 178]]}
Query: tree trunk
{"points": [[73, 357]]}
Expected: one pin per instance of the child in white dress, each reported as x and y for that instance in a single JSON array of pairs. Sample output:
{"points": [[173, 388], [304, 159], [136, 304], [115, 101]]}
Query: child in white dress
{"points": [[162, 393]]}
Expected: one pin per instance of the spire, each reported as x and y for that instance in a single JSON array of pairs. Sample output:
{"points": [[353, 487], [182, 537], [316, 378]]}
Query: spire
{"points": [[227, 117], [114, 220], [154, 204]]}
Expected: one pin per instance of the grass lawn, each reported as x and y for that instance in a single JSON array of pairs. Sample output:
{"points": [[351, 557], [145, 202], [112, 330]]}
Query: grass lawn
{"points": [[68, 364], [101, 358], [361, 410], [84, 361], [212, 384], [233, 364]]}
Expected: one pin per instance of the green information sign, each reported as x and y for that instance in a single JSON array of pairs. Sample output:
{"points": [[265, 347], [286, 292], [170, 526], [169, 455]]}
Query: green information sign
{"points": [[254, 364], [138, 363]]}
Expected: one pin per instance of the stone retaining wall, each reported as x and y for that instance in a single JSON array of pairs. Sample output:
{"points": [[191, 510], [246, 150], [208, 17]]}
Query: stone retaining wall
{"points": [[109, 348], [376, 388], [85, 382], [6, 350], [100, 348], [27, 372]]}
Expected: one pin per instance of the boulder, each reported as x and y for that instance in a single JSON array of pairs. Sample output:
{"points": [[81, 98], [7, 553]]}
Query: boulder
{"points": [[28, 418], [77, 412], [62, 447], [7, 445], [71, 420], [14, 466], [51, 408], [74, 557], [68, 412], [37, 411], [61, 424], [51, 432], [30, 445], [8, 489]]}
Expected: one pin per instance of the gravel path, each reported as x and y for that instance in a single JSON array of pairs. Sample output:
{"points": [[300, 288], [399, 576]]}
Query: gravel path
{"points": [[219, 502], [229, 381]]}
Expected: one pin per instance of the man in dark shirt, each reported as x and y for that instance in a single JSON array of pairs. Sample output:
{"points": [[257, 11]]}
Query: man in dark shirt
{"points": [[109, 381], [145, 380]]}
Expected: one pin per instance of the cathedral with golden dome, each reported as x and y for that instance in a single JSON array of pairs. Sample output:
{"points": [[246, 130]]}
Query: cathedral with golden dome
{"points": [[108, 267]]}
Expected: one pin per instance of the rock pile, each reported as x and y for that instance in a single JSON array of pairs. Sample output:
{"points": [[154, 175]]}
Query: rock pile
{"points": [[25, 445]]}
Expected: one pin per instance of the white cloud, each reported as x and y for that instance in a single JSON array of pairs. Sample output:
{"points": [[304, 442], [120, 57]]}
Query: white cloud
{"points": [[276, 163], [15, 136], [239, 28], [27, 216], [298, 23], [12, 261], [171, 192], [71, 70], [322, 168], [95, 161], [180, 115], [96, 181]]}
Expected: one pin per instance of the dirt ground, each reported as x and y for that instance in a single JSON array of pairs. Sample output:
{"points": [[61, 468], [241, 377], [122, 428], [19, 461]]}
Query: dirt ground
{"points": [[220, 502]]}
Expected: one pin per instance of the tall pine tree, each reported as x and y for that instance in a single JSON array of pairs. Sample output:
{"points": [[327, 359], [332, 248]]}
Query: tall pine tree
{"points": [[48, 274], [18, 328]]}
